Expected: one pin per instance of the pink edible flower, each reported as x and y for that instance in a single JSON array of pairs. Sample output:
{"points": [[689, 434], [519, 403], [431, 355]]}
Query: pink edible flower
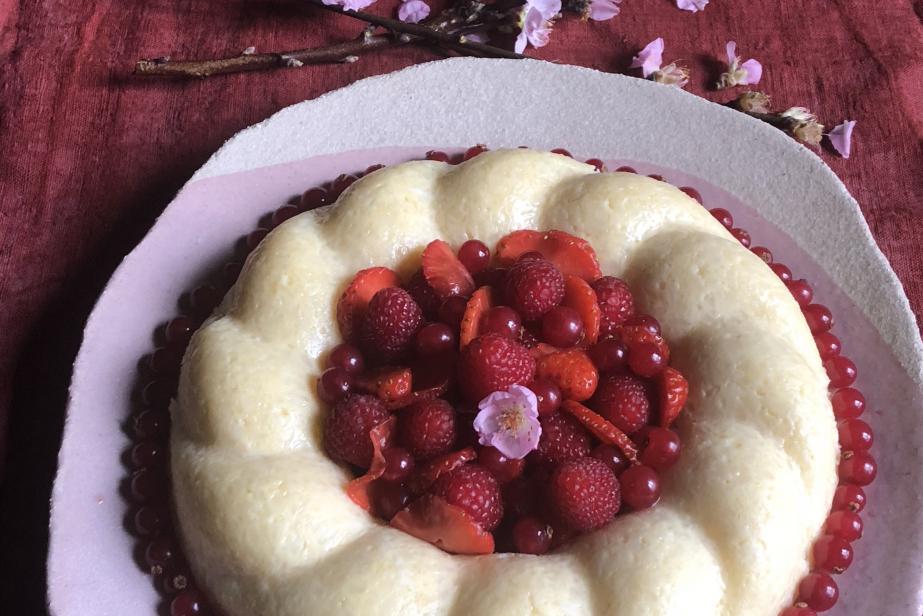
{"points": [[536, 23], [739, 74], [508, 421], [692, 6], [350, 5], [413, 11], [841, 137], [601, 10], [650, 58]]}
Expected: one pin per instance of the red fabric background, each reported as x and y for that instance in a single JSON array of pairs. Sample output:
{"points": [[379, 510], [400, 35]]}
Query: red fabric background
{"points": [[90, 155]]}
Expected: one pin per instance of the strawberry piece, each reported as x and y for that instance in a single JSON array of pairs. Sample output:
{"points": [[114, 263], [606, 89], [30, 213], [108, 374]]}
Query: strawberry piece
{"points": [[444, 272], [354, 302], [572, 371], [427, 474], [389, 384], [579, 295], [359, 489], [480, 302], [421, 395], [541, 350], [601, 429], [674, 391], [513, 245], [446, 526], [572, 255]]}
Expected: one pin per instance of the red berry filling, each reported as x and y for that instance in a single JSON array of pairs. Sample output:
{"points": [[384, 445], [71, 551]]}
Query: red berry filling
{"points": [[545, 329]]}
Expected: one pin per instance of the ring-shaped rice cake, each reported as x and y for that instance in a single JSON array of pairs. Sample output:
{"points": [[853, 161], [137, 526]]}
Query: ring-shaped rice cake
{"points": [[262, 510]]}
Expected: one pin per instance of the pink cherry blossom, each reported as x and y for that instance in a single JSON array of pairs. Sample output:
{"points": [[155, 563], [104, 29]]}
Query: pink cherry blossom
{"points": [[650, 58], [841, 137], [413, 11], [602, 10], [739, 74], [350, 5], [536, 23], [508, 421], [692, 6]]}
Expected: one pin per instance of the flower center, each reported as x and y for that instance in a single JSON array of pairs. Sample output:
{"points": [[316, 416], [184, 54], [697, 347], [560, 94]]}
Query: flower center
{"points": [[511, 418]]}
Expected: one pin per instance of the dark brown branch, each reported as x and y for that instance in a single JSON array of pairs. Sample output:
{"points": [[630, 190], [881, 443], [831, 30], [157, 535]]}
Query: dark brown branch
{"points": [[341, 52], [447, 39], [445, 30]]}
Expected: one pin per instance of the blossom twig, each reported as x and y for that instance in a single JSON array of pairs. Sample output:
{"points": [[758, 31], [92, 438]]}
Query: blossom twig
{"points": [[447, 30], [341, 52], [447, 39], [797, 121]]}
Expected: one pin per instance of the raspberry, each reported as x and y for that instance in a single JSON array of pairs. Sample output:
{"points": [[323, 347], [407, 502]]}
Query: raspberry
{"points": [[563, 439], [474, 489], [584, 494], [623, 401], [424, 295], [534, 287], [492, 363], [346, 431], [427, 429], [391, 323], [615, 302]]}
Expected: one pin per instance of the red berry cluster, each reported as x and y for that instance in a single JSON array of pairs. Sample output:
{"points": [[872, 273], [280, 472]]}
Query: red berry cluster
{"points": [[832, 552], [403, 392]]}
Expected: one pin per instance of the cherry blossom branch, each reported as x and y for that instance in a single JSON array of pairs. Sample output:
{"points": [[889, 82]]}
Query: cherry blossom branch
{"points": [[448, 39], [341, 52], [446, 30], [796, 121]]}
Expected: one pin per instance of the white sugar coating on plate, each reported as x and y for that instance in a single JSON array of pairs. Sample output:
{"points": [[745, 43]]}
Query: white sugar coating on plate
{"points": [[262, 510]]}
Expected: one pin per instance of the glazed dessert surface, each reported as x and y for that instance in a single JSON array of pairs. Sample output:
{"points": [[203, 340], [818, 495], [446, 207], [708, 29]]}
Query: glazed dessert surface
{"points": [[262, 509]]}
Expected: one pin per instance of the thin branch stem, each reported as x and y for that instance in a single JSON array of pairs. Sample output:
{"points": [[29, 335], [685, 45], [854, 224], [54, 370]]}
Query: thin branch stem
{"points": [[447, 39], [341, 52], [446, 30]]}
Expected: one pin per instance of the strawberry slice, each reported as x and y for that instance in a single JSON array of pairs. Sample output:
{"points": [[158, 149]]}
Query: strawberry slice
{"points": [[389, 384], [427, 474], [674, 391], [444, 272], [446, 526], [579, 295], [601, 429], [480, 302], [513, 245], [430, 393], [354, 302], [542, 349], [572, 371], [572, 255], [359, 489]]}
